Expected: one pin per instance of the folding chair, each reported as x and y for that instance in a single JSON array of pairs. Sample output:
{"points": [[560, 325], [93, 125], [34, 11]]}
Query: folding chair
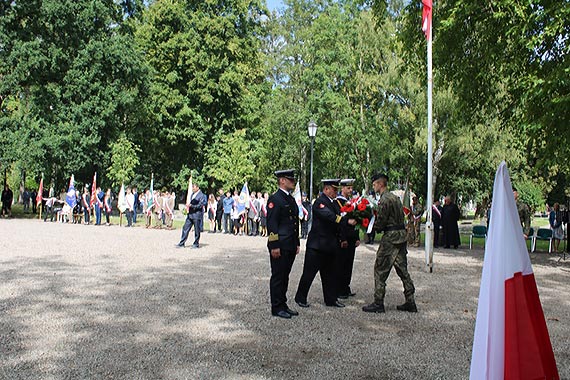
{"points": [[543, 234], [478, 232]]}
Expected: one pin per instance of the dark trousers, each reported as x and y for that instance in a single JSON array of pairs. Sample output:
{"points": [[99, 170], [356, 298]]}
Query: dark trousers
{"points": [[86, 213], [48, 212], [228, 223], [323, 262], [197, 222], [129, 214], [218, 225], [304, 229], [279, 282], [436, 233], [345, 263], [135, 215], [107, 216]]}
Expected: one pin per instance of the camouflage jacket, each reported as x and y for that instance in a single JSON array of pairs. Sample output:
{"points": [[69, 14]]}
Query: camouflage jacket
{"points": [[390, 218]]}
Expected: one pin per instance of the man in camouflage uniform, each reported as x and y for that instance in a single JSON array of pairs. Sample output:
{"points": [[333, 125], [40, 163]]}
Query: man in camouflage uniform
{"points": [[392, 251], [414, 222], [524, 214]]}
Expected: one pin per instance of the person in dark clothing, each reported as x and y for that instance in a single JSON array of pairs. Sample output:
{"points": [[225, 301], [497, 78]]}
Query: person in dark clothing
{"points": [[306, 218], [283, 241], [449, 218], [7, 198], [323, 245], [219, 211], [436, 219], [350, 239]]}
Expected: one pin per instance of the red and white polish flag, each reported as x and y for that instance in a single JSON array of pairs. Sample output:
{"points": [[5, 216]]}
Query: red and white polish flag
{"points": [[511, 338], [426, 16]]}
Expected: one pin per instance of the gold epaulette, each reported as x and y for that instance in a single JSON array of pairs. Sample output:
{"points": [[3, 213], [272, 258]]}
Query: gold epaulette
{"points": [[338, 218], [273, 237]]}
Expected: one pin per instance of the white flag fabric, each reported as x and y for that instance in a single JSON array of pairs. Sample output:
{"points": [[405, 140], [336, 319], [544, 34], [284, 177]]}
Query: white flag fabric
{"points": [[189, 192], [122, 201], [299, 200], [511, 339]]}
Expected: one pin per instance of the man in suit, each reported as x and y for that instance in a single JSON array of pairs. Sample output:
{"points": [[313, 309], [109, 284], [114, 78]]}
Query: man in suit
{"points": [[283, 241], [323, 246], [195, 217], [350, 239]]}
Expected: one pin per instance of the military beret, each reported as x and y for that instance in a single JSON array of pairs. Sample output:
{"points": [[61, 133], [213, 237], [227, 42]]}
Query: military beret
{"points": [[287, 173], [347, 182], [331, 182], [377, 176]]}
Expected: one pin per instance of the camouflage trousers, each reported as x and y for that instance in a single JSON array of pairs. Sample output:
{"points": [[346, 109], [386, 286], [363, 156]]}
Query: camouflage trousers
{"points": [[413, 230], [392, 255]]}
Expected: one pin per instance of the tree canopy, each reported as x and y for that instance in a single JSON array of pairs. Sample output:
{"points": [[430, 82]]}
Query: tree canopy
{"points": [[226, 89]]}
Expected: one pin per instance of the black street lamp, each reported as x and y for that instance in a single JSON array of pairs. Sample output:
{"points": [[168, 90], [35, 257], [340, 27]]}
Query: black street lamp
{"points": [[312, 134]]}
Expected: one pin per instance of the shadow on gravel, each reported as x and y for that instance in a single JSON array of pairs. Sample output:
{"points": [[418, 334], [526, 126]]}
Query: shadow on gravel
{"points": [[197, 318]]}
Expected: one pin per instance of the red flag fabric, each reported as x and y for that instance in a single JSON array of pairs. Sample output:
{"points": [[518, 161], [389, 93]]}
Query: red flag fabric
{"points": [[426, 17], [93, 190], [40, 192]]}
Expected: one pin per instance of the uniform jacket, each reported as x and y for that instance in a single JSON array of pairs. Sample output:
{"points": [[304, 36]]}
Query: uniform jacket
{"points": [[390, 215], [282, 221], [197, 204], [325, 231]]}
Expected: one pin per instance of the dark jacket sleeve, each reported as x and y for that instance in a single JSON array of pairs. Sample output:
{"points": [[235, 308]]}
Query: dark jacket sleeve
{"points": [[273, 224]]}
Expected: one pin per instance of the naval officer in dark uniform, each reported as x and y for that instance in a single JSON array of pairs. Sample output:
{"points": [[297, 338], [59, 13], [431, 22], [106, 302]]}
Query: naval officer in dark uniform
{"points": [[323, 246], [283, 241], [349, 240]]}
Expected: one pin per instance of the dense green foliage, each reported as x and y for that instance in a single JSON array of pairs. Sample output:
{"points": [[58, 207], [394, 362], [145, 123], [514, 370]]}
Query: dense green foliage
{"points": [[225, 89]]}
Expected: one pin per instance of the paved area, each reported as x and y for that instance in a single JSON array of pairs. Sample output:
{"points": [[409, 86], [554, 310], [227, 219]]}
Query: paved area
{"points": [[86, 302]]}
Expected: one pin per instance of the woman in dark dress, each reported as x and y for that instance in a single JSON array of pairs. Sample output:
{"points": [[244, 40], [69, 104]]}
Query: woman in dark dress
{"points": [[449, 217]]}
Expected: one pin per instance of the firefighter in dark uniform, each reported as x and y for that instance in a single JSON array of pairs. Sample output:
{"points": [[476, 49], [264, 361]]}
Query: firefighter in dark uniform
{"points": [[349, 240], [323, 247], [283, 241]]}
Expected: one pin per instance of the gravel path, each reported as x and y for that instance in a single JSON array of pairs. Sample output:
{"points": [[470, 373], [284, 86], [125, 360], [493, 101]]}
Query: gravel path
{"points": [[86, 302]]}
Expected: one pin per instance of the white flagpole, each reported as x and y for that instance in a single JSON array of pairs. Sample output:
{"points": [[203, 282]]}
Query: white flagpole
{"points": [[429, 225]]}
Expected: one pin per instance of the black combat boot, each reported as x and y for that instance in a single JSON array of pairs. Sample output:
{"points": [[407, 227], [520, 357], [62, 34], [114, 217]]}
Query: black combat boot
{"points": [[408, 306], [374, 308]]}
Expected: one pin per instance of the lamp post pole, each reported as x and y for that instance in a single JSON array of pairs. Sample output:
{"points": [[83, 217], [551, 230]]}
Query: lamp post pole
{"points": [[312, 134]]}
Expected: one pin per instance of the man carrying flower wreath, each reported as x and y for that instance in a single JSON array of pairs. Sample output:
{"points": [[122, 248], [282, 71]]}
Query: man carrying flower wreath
{"points": [[349, 240], [392, 251], [323, 246]]}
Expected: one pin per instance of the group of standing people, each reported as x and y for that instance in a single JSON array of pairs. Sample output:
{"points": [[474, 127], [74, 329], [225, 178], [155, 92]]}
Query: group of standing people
{"points": [[331, 244]]}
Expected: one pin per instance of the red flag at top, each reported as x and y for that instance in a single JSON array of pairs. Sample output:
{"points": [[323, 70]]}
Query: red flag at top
{"points": [[426, 17], [40, 192], [93, 190]]}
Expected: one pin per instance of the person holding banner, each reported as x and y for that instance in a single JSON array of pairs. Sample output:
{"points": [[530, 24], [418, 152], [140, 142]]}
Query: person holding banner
{"points": [[392, 251], [195, 217]]}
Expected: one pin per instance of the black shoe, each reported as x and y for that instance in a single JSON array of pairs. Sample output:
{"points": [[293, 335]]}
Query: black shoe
{"points": [[281, 314], [302, 304], [351, 294], [455, 246], [335, 304], [294, 313], [195, 246], [179, 245], [447, 247], [343, 297], [374, 308], [408, 306]]}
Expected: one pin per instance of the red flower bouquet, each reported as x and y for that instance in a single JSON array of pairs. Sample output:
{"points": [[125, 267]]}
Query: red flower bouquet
{"points": [[359, 209]]}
